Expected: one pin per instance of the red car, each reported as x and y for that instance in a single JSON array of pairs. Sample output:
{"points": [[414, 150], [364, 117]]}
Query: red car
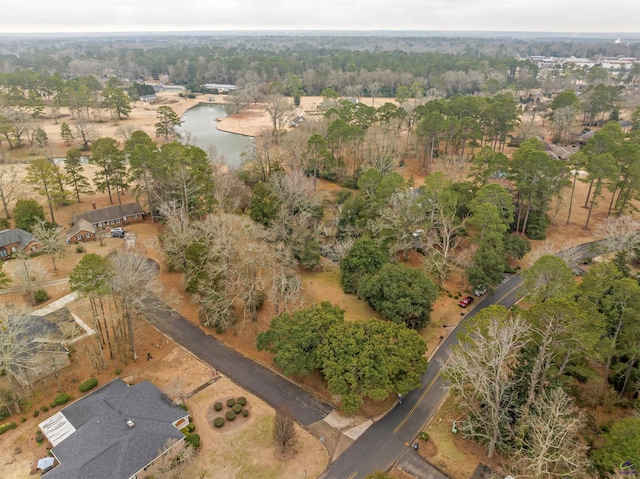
{"points": [[465, 301]]}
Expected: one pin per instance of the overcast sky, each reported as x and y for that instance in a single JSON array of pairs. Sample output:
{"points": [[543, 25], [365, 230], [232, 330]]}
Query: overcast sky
{"points": [[164, 15]]}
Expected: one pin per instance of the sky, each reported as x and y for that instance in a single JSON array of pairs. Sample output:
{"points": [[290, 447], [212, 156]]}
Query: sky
{"points": [[31, 16]]}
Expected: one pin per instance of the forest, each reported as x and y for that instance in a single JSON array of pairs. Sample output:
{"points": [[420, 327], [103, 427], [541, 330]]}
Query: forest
{"points": [[552, 383]]}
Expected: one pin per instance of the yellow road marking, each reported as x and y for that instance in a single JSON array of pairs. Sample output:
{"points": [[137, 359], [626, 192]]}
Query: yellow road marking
{"points": [[426, 391], [355, 473]]}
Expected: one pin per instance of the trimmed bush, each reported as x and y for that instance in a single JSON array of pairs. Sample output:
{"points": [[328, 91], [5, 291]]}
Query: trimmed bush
{"points": [[237, 408], [423, 436], [217, 406], [218, 422], [62, 399], [23, 419], [185, 430], [191, 427], [231, 402], [44, 408], [193, 440], [6, 427], [36, 413], [39, 437], [242, 401], [4, 412], [52, 404], [88, 384], [245, 412], [40, 296], [230, 415]]}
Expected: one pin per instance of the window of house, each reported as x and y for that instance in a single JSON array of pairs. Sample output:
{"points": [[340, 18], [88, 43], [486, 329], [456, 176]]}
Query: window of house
{"points": [[118, 220], [87, 235], [79, 237], [13, 249], [124, 218], [135, 216], [3, 252], [111, 222]]}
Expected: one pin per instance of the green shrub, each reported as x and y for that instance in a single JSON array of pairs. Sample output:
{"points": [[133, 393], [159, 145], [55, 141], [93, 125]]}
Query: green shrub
{"points": [[245, 412], [39, 437], [88, 384], [218, 422], [52, 404], [44, 408], [185, 430], [242, 401], [191, 427], [36, 413], [5, 427], [230, 415], [79, 248], [40, 296], [4, 412], [23, 419], [118, 371], [217, 406], [62, 399], [193, 440], [231, 402], [184, 406], [423, 436], [237, 408]]}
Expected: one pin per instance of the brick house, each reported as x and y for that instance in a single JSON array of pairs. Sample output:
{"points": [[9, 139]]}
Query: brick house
{"points": [[111, 216], [16, 241], [81, 232]]}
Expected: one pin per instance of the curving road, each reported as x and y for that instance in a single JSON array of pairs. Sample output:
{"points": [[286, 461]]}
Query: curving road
{"points": [[380, 446], [383, 443]]}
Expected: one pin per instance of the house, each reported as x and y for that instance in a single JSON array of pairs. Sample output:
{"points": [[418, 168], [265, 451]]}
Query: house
{"points": [[111, 215], [148, 98], [82, 231], [16, 241], [115, 432]]}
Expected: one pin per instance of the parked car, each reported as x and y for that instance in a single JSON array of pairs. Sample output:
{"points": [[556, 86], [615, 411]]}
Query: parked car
{"points": [[480, 290], [464, 302], [117, 233]]}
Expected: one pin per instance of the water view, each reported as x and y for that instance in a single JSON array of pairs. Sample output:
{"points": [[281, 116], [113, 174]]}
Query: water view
{"points": [[201, 121]]}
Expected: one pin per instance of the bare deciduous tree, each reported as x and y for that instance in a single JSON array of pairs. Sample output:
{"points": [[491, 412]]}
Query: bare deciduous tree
{"points": [[284, 430], [618, 233], [132, 284], [279, 108], [17, 351], [480, 372], [10, 187], [549, 438], [51, 240], [397, 222]]}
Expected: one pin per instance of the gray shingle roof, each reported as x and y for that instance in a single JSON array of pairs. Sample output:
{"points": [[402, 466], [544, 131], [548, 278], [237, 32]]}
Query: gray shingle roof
{"points": [[81, 225], [104, 446], [23, 237], [110, 213]]}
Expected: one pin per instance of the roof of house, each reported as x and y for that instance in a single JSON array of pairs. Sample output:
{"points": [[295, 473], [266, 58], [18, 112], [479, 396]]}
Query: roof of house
{"points": [[81, 225], [109, 213], [23, 237], [99, 442]]}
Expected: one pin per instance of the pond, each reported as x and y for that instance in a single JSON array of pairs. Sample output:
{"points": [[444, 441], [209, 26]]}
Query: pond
{"points": [[200, 123]]}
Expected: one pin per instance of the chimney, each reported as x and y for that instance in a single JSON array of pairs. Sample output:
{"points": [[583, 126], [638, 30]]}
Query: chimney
{"points": [[93, 205], [130, 424]]}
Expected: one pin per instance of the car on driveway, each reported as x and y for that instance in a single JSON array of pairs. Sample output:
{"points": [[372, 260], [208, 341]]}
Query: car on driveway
{"points": [[117, 233], [464, 302]]}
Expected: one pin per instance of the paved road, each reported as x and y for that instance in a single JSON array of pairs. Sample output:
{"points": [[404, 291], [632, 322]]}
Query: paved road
{"points": [[386, 440], [382, 444], [252, 376]]}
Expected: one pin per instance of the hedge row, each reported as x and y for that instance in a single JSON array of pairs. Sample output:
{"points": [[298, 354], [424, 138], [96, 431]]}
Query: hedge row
{"points": [[5, 427], [88, 384]]}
